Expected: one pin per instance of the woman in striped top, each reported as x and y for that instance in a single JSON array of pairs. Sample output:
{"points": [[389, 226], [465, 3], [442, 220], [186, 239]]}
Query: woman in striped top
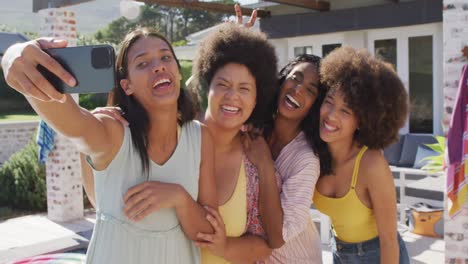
{"points": [[295, 148]]}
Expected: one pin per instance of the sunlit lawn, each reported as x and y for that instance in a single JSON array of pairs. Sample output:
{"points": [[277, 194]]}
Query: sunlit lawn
{"points": [[18, 117]]}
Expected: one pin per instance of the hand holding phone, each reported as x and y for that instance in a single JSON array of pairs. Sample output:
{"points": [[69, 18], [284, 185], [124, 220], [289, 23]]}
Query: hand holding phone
{"points": [[19, 67], [91, 66]]}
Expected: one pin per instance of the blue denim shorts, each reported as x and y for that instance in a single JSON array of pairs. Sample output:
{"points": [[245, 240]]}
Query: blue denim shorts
{"points": [[367, 252]]}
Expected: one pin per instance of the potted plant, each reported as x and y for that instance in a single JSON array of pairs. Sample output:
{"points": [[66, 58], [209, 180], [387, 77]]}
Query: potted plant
{"points": [[435, 163]]}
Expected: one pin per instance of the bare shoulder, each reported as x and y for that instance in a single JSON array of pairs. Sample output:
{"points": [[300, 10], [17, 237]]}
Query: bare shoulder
{"points": [[114, 135], [374, 168], [206, 134], [111, 141], [114, 129], [207, 147]]}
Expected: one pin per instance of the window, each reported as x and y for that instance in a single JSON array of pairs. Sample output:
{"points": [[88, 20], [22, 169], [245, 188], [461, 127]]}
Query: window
{"points": [[386, 50], [329, 48], [302, 50], [421, 84]]}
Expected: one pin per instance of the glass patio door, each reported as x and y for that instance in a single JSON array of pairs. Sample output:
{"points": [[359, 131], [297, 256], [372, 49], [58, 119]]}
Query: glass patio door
{"points": [[416, 54]]}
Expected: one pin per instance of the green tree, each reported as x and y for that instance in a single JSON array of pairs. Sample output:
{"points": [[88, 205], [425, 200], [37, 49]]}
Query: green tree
{"points": [[175, 23]]}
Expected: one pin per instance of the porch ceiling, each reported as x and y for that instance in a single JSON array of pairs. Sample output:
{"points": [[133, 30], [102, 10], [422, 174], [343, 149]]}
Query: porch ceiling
{"points": [[314, 5], [206, 6]]}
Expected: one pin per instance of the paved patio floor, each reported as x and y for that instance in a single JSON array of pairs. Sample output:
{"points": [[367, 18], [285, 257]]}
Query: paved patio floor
{"points": [[35, 234]]}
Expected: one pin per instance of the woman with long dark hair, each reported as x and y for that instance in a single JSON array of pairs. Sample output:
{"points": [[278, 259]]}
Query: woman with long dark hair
{"points": [[146, 202]]}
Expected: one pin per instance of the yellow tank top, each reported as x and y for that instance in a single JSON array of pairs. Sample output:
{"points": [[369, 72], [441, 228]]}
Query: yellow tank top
{"points": [[234, 214], [352, 221]]}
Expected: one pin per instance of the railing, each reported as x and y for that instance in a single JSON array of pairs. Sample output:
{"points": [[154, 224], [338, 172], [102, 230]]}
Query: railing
{"points": [[402, 182]]}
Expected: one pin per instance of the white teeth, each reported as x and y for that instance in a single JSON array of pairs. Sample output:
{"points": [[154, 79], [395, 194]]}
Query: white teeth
{"points": [[328, 127], [231, 109], [290, 98], [161, 82]]}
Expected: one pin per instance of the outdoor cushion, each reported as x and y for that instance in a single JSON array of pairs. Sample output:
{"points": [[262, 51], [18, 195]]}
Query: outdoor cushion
{"points": [[431, 187], [408, 176], [410, 147], [392, 153], [422, 153]]}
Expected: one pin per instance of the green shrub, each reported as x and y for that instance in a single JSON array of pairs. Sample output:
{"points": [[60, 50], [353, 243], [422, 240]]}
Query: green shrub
{"points": [[92, 101], [23, 180], [186, 69], [179, 43], [23, 183]]}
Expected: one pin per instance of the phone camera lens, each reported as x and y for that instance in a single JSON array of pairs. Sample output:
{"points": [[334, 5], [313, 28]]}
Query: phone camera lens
{"points": [[101, 58]]}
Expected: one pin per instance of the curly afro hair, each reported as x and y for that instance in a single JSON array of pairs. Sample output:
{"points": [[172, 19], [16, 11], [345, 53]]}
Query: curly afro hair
{"points": [[372, 90], [234, 44]]}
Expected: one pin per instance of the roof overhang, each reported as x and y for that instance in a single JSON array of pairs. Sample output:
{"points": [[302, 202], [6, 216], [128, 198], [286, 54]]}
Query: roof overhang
{"points": [[409, 13], [313, 5], [205, 6]]}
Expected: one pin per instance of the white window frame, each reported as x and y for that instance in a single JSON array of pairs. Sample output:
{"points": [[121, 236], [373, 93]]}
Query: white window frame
{"points": [[316, 41], [402, 35]]}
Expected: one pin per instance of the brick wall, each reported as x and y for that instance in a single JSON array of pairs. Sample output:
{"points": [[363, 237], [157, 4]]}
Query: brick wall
{"points": [[64, 183], [14, 136]]}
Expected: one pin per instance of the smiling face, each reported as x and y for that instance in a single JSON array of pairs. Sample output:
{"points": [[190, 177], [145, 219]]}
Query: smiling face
{"points": [[337, 120], [298, 92], [232, 96], [153, 75]]}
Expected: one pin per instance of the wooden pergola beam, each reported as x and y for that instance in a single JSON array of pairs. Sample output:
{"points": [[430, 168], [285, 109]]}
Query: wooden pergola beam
{"points": [[205, 6], [309, 4]]}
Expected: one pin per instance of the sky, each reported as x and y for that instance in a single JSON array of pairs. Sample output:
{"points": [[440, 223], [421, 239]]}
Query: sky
{"points": [[18, 15]]}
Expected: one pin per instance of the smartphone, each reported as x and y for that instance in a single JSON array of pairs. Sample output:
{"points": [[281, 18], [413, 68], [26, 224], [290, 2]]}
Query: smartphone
{"points": [[92, 67]]}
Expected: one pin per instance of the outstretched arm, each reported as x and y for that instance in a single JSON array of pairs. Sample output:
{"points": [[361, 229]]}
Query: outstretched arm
{"points": [[92, 135]]}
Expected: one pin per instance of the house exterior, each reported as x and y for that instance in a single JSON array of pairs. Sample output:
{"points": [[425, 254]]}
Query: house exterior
{"points": [[408, 34]]}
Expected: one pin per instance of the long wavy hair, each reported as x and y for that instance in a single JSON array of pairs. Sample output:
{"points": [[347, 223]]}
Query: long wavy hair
{"points": [[133, 111]]}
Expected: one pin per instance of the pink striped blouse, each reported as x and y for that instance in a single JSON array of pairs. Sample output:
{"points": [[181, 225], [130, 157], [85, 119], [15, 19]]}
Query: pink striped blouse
{"points": [[299, 168]]}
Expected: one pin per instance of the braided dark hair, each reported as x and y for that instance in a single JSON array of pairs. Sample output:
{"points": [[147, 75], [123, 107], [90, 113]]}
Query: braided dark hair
{"points": [[311, 123]]}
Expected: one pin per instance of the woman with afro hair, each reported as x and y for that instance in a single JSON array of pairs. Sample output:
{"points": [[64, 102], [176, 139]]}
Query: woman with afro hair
{"points": [[234, 74], [364, 108], [278, 219]]}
